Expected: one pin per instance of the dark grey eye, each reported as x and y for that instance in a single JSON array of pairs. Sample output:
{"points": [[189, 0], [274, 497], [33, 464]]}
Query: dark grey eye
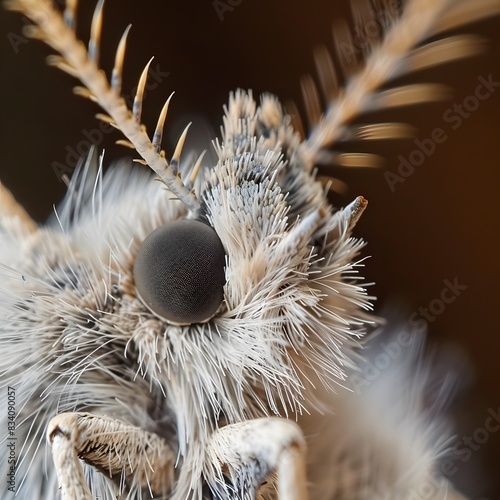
{"points": [[179, 272]]}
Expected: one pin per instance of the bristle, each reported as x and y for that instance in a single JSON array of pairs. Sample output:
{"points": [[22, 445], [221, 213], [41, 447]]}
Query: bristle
{"points": [[137, 107], [70, 7], [95, 32], [462, 13], [302, 230], [105, 118], [176, 157], [83, 92], [409, 94], [60, 63], [359, 160], [363, 16], [195, 170], [116, 75], [33, 32], [158, 134], [333, 184], [124, 142], [311, 100], [443, 51], [348, 59], [327, 74], [380, 131], [294, 114]]}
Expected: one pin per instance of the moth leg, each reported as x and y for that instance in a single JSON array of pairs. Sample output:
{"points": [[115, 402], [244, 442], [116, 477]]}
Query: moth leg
{"points": [[250, 451], [125, 453]]}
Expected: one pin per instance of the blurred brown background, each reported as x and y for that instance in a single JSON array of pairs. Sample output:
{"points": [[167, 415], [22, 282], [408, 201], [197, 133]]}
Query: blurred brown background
{"points": [[440, 223]]}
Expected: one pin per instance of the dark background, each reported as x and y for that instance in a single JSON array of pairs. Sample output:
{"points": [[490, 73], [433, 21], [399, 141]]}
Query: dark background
{"points": [[441, 223]]}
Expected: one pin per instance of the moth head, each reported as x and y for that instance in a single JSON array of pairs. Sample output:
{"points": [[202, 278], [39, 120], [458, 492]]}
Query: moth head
{"points": [[233, 299], [179, 272]]}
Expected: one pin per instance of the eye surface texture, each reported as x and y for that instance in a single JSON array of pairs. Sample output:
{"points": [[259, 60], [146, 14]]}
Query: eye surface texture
{"points": [[179, 272]]}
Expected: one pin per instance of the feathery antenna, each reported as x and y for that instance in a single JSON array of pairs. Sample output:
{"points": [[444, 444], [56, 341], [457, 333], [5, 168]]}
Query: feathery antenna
{"points": [[58, 31], [396, 55]]}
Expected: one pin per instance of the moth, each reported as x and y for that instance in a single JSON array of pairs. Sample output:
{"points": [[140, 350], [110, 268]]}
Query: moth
{"points": [[197, 337]]}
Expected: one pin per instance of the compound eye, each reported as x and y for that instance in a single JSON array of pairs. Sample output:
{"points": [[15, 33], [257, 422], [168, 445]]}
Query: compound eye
{"points": [[179, 272]]}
